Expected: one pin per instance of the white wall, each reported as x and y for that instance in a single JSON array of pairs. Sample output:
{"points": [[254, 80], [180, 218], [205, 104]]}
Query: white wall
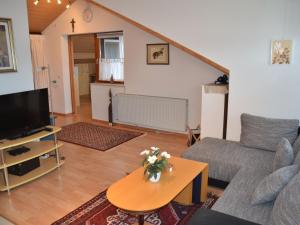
{"points": [[99, 94], [237, 35], [22, 80], [181, 79]]}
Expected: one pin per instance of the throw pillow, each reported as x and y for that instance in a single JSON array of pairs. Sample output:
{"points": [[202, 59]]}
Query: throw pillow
{"points": [[297, 159], [286, 210], [268, 189], [296, 146], [284, 155], [265, 133]]}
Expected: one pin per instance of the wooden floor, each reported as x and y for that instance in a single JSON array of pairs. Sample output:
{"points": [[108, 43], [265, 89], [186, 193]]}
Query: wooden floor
{"points": [[86, 172]]}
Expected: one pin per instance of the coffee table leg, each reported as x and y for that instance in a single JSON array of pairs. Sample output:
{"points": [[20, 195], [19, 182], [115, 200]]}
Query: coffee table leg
{"points": [[197, 189], [141, 220], [199, 193], [204, 184]]}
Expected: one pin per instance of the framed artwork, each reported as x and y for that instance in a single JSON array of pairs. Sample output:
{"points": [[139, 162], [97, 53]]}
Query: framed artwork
{"points": [[7, 52], [158, 54], [281, 51]]}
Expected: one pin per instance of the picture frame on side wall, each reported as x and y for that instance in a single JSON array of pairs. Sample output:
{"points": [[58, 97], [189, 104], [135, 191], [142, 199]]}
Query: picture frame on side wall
{"points": [[158, 54], [7, 50], [281, 51]]}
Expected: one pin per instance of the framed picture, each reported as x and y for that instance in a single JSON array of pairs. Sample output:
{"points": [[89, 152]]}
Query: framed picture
{"points": [[281, 51], [7, 52], [158, 54]]}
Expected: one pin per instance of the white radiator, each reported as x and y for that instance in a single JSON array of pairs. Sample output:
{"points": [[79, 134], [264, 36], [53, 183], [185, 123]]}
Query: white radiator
{"points": [[162, 113]]}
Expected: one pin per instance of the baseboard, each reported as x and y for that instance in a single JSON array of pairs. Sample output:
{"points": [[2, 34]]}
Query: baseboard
{"points": [[101, 121], [145, 129], [62, 114]]}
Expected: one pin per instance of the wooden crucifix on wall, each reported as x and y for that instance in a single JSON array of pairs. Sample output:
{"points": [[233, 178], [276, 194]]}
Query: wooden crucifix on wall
{"points": [[73, 24]]}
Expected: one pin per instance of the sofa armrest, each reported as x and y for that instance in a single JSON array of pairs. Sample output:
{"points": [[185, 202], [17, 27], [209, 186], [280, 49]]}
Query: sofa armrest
{"points": [[211, 217]]}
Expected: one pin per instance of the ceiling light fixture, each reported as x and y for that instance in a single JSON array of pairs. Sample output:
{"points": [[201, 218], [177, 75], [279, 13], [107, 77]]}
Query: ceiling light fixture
{"points": [[69, 4], [59, 2]]}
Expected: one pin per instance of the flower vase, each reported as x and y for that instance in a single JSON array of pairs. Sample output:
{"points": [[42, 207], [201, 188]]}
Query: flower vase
{"points": [[153, 179]]}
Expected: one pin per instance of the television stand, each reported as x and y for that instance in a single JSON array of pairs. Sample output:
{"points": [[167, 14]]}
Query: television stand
{"points": [[37, 149], [48, 129]]}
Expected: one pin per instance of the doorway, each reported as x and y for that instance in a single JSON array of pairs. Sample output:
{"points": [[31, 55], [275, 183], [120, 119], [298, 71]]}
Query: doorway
{"points": [[82, 55]]}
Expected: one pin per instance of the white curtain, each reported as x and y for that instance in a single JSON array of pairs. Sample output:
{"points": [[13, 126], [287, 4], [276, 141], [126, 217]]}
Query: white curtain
{"points": [[41, 79], [113, 67]]}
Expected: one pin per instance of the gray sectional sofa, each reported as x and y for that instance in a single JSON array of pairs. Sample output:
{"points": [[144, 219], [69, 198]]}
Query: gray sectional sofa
{"points": [[247, 163]]}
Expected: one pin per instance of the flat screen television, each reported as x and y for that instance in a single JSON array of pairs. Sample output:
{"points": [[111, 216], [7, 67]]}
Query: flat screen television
{"points": [[22, 113]]}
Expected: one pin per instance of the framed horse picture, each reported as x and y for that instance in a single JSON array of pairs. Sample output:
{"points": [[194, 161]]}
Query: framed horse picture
{"points": [[7, 51], [158, 54]]}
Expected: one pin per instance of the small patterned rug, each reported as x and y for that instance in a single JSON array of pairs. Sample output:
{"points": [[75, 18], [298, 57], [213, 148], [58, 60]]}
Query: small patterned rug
{"points": [[95, 136], [99, 211]]}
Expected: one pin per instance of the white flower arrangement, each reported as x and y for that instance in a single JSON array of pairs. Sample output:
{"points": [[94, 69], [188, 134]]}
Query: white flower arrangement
{"points": [[145, 152], [154, 161], [154, 149], [166, 155]]}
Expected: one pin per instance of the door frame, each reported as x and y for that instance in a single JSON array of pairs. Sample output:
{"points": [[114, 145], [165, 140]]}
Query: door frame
{"points": [[71, 69], [71, 66]]}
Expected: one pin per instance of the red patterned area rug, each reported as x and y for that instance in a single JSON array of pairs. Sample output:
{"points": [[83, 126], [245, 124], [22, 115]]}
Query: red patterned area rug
{"points": [[95, 136], [99, 211]]}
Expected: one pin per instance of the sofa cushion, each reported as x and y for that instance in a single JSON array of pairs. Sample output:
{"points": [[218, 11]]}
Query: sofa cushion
{"points": [[268, 189], [284, 155], [286, 210], [265, 133], [236, 199], [225, 158]]}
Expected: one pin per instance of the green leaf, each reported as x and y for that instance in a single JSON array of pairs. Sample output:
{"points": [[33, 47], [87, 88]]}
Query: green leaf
{"points": [[156, 152]]}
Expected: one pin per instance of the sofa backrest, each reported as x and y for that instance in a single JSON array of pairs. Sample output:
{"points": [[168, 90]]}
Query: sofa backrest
{"points": [[265, 133]]}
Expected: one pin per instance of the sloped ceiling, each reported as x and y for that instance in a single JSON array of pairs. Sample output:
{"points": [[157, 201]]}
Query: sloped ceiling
{"points": [[41, 15], [120, 9]]}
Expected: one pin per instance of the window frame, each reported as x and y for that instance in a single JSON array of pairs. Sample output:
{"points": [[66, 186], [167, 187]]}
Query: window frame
{"points": [[98, 53]]}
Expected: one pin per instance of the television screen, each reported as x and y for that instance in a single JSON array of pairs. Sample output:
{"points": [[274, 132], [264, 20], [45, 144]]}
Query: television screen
{"points": [[21, 113]]}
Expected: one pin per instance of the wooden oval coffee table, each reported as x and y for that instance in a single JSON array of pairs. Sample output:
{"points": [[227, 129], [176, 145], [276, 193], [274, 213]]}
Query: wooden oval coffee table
{"points": [[187, 184]]}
